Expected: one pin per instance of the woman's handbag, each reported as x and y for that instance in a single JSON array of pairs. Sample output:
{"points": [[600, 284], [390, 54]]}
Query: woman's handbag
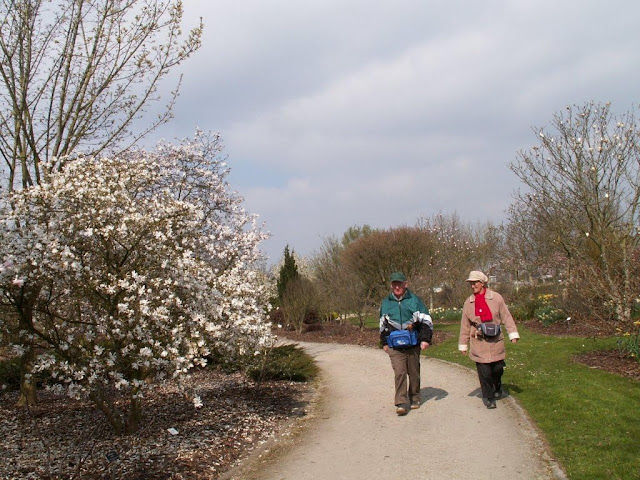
{"points": [[489, 329], [402, 339]]}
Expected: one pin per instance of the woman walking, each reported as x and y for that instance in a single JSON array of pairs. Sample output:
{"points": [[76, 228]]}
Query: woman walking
{"points": [[484, 315]]}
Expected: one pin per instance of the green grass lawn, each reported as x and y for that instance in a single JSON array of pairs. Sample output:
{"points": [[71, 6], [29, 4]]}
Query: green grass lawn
{"points": [[591, 418]]}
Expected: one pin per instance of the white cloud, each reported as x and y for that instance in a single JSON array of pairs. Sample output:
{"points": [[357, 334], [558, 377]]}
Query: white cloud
{"points": [[331, 110]]}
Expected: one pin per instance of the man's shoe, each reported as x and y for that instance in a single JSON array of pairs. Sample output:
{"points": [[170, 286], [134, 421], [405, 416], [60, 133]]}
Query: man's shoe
{"points": [[415, 405], [401, 411]]}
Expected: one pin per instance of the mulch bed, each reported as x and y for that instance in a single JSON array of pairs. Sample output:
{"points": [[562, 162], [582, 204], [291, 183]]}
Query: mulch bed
{"points": [[65, 439], [584, 328], [333, 332], [610, 360]]}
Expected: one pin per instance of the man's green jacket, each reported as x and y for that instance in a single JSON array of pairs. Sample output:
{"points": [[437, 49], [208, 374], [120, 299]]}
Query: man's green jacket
{"points": [[398, 314]]}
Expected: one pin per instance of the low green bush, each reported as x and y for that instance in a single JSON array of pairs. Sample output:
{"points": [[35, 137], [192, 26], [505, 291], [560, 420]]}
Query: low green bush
{"points": [[630, 345], [543, 306], [286, 362], [549, 314], [525, 302], [10, 374], [520, 313], [446, 314]]}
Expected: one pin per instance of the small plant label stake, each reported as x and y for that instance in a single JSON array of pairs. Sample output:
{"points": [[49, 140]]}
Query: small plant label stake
{"points": [[112, 456]]}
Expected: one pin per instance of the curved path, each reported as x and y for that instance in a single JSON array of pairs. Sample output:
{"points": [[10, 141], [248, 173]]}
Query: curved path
{"points": [[355, 434]]}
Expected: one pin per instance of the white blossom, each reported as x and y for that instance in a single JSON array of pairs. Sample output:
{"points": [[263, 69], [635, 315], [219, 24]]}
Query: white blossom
{"points": [[154, 253]]}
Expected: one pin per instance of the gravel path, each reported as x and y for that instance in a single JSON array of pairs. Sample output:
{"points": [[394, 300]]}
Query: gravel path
{"points": [[353, 432]]}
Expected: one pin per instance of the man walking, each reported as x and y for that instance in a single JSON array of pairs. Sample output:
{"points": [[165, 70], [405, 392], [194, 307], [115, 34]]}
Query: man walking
{"points": [[403, 310]]}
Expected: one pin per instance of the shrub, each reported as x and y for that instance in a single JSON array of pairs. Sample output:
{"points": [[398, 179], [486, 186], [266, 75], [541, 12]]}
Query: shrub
{"points": [[10, 374], [130, 270], [313, 327], [286, 362], [630, 345], [276, 317], [525, 302], [549, 314], [537, 303], [520, 312], [312, 316], [523, 309], [446, 314]]}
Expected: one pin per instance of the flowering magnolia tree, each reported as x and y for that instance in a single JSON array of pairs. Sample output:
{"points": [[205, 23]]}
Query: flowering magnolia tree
{"points": [[126, 271]]}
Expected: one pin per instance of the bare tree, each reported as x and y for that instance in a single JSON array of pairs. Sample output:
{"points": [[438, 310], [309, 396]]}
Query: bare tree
{"points": [[76, 74], [488, 247], [353, 274], [327, 275], [339, 287], [374, 257], [530, 253], [299, 300], [583, 192], [451, 253]]}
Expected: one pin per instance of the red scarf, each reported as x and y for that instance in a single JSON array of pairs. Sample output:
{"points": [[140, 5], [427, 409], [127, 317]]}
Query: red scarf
{"points": [[482, 309]]}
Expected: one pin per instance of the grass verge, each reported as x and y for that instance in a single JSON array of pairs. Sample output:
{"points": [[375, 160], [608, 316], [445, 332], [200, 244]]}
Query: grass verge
{"points": [[589, 417]]}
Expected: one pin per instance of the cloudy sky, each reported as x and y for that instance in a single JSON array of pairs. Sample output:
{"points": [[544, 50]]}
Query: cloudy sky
{"points": [[337, 113]]}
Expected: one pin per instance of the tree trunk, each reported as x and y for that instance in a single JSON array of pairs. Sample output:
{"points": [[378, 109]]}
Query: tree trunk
{"points": [[24, 306], [28, 387], [134, 417], [110, 411]]}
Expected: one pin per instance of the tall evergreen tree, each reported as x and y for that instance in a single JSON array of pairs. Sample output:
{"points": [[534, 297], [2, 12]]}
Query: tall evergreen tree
{"points": [[288, 272]]}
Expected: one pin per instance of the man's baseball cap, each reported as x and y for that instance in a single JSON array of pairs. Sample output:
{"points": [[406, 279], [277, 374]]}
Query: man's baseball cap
{"points": [[398, 277]]}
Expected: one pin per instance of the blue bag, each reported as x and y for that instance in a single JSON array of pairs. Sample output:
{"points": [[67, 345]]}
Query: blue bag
{"points": [[402, 339]]}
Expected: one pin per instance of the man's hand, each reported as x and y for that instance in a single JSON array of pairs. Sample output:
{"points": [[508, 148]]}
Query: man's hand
{"points": [[424, 345], [386, 348]]}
